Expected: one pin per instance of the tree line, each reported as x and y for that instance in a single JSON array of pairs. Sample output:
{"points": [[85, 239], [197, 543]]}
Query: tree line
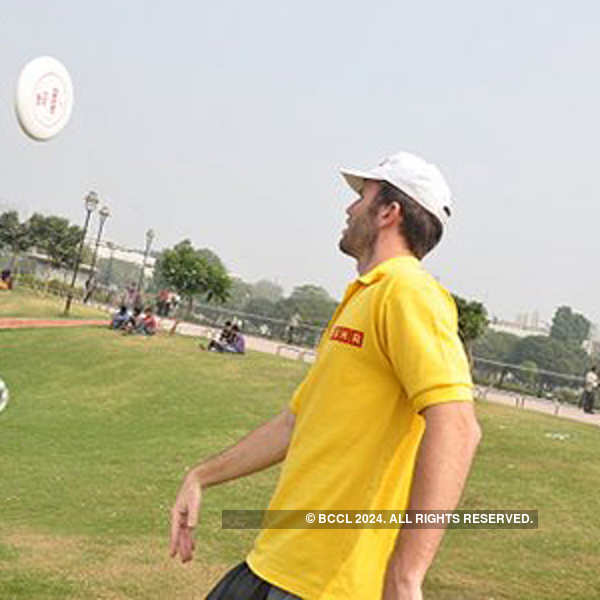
{"points": [[539, 356], [52, 236]]}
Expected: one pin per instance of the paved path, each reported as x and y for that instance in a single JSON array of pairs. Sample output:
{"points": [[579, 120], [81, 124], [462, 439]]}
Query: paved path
{"points": [[252, 343], [30, 323], [566, 411]]}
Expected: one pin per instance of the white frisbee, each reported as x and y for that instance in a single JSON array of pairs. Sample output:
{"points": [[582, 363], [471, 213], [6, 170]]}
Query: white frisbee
{"points": [[44, 99]]}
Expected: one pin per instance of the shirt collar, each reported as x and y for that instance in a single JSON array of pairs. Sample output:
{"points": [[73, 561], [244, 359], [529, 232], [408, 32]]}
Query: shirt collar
{"points": [[383, 268]]}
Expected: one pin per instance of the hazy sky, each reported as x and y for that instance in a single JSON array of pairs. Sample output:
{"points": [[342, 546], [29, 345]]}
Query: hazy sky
{"points": [[226, 123]]}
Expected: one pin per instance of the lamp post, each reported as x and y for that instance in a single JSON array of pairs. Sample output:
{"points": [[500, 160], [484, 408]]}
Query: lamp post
{"points": [[90, 284], [91, 203], [149, 238]]}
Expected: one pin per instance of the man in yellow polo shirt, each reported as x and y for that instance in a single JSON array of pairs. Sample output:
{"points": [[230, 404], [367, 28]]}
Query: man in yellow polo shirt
{"points": [[383, 420]]}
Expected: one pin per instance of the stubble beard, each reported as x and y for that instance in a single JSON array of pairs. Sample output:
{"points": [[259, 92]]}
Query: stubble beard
{"points": [[359, 238]]}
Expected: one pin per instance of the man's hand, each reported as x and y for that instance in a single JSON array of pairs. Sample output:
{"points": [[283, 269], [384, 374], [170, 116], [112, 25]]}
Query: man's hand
{"points": [[184, 517], [260, 449]]}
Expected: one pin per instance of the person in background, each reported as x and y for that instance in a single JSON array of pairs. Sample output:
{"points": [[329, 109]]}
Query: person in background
{"points": [[162, 304], [148, 324], [174, 301], [120, 318], [90, 287], [292, 328], [129, 294], [237, 342], [134, 321], [138, 301], [234, 342], [589, 390], [225, 334], [6, 282]]}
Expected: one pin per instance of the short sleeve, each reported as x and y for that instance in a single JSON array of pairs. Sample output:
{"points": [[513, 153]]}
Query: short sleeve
{"points": [[295, 402], [420, 338]]}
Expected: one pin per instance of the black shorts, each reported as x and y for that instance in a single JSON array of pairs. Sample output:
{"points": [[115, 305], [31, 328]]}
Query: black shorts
{"points": [[242, 584]]}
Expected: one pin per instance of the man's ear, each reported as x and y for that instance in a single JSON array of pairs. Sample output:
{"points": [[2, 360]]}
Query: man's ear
{"points": [[391, 214]]}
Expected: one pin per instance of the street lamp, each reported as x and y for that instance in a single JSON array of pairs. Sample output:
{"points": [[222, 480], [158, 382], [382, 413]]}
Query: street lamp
{"points": [[104, 214], [91, 203], [149, 238]]}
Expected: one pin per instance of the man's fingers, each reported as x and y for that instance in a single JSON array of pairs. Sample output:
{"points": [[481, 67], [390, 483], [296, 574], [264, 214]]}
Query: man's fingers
{"points": [[193, 509], [192, 519], [186, 544], [176, 518], [184, 517]]}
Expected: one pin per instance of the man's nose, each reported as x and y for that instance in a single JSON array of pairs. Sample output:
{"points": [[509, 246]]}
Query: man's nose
{"points": [[350, 207]]}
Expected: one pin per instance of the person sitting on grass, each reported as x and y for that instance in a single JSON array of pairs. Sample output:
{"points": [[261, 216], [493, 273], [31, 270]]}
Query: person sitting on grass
{"points": [[6, 280], [224, 338], [120, 318], [148, 323], [133, 322], [226, 333], [134, 319], [236, 343]]}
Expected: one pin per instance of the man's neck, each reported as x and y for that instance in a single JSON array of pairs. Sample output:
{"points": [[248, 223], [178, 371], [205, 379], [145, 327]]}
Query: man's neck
{"points": [[381, 254]]}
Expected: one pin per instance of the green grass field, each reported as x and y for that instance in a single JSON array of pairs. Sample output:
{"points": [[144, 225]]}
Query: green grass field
{"points": [[22, 303], [101, 427]]}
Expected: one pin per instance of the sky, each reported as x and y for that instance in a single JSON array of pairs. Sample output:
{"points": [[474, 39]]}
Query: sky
{"points": [[227, 123]]}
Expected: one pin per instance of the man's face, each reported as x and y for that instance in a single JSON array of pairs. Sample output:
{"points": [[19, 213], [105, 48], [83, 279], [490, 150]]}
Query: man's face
{"points": [[359, 237]]}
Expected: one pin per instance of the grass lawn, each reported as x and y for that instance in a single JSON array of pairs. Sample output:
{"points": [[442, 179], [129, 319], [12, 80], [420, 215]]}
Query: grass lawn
{"points": [[101, 427], [23, 303]]}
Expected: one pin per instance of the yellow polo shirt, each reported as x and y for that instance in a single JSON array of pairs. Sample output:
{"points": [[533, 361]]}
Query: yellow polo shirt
{"points": [[390, 350]]}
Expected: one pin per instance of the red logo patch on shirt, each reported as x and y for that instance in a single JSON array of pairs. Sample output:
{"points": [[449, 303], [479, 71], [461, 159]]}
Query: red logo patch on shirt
{"points": [[348, 336]]}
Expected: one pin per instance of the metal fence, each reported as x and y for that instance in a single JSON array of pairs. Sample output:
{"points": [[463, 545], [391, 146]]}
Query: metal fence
{"points": [[523, 381], [273, 328]]}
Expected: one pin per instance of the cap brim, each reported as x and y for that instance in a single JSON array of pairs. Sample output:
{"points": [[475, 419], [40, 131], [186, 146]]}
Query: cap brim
{"points": [[356, 179]]}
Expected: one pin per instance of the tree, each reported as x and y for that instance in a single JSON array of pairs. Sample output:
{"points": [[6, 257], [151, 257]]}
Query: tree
{"points": [[267, 289], [550, 354], [190, 273], [117, 272], [57, 239], [261, 306], [240, 293], [495, 345], [312, 302], [472, 322], [14, 235], [211, 258], [158, 280], [529, 373], [569, 327]]}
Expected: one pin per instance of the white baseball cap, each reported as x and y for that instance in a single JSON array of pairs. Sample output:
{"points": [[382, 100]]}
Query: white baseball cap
{"points": [[420, 180]]}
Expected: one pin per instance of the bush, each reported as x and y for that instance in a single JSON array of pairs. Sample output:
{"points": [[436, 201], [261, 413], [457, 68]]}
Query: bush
{"points": [[567, 395], [53, 286], [27, 280]]}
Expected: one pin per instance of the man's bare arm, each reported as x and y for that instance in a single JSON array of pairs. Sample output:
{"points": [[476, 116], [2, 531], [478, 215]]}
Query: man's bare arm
{"points": [[263, 447], [445, 455]]}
